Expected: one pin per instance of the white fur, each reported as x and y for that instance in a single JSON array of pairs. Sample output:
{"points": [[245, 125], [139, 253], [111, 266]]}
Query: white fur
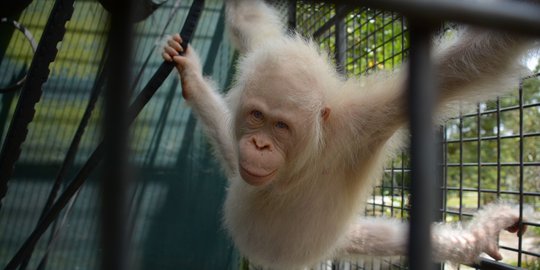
{"points": [[252, 23], [309, 212]]}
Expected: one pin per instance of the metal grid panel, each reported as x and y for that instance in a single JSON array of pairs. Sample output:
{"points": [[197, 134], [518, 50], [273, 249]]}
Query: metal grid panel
{"points": [[492, 153], [502, 163], [375, 41], [169, 232], [311, 17]]}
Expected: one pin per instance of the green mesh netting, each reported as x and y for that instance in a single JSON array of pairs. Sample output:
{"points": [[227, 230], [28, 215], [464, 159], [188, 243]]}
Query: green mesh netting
{"points": [[179, 189]]}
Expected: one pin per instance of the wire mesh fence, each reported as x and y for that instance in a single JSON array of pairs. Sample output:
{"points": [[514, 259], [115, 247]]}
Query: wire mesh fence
{"points": [[488, 153], [172, 226]]}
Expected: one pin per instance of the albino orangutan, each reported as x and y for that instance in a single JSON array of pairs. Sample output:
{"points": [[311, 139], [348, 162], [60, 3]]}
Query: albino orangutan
{"points": [[301, 145]]}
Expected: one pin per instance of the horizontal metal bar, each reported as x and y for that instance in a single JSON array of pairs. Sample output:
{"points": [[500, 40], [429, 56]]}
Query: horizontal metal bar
{"points": [[503, 109], [506, 192], [404, 208], [452, 212], [487, 264], [504, 15], [397, 170], [448, 188], [520, 250], [530, 253], [492, 138], [492, 164], [396, 188], [492, 191], [536, 224], [458, 213]]}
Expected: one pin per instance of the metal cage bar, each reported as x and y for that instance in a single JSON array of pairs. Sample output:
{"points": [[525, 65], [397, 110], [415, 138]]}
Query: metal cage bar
{"points": [[421, 99], [115, 182]]}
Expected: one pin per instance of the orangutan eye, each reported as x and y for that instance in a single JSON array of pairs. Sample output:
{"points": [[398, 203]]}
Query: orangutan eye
{"points": [[281, 125], [257, 115]]}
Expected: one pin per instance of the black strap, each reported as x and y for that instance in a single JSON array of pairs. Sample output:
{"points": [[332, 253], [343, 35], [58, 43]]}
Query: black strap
{"points": [[31, 92], [28, 35], [93, 161], [71, 152]]}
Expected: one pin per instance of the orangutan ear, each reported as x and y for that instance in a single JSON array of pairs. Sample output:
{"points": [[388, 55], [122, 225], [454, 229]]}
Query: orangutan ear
{"points": [[325, 113]]}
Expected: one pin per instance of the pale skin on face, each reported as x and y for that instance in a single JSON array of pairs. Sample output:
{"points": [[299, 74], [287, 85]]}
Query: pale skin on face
{"points": [[269, 128], [262, 144]]}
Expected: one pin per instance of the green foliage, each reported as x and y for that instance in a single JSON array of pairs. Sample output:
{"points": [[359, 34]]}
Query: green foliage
{"points": [[483, 149], [484, 125], [532, 264], [376, 41]]}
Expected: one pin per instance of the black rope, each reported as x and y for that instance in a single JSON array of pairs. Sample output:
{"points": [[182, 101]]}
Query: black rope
{"points": [[93, 161], [72, 151], [176, 7], [31, 92], [70, 155], [28, 35]]}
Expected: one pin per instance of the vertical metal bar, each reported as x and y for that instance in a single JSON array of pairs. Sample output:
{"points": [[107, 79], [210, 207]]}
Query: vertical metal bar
{"points": [[479, 156], [444, 196], [384, 41], [374, 50], [498, 148], [292, 15], [392, 187], [341, 39], [421, 96], [521, 171], [114, 182], [402, 52], [461, 167], [402, 186], [439, 181]]}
